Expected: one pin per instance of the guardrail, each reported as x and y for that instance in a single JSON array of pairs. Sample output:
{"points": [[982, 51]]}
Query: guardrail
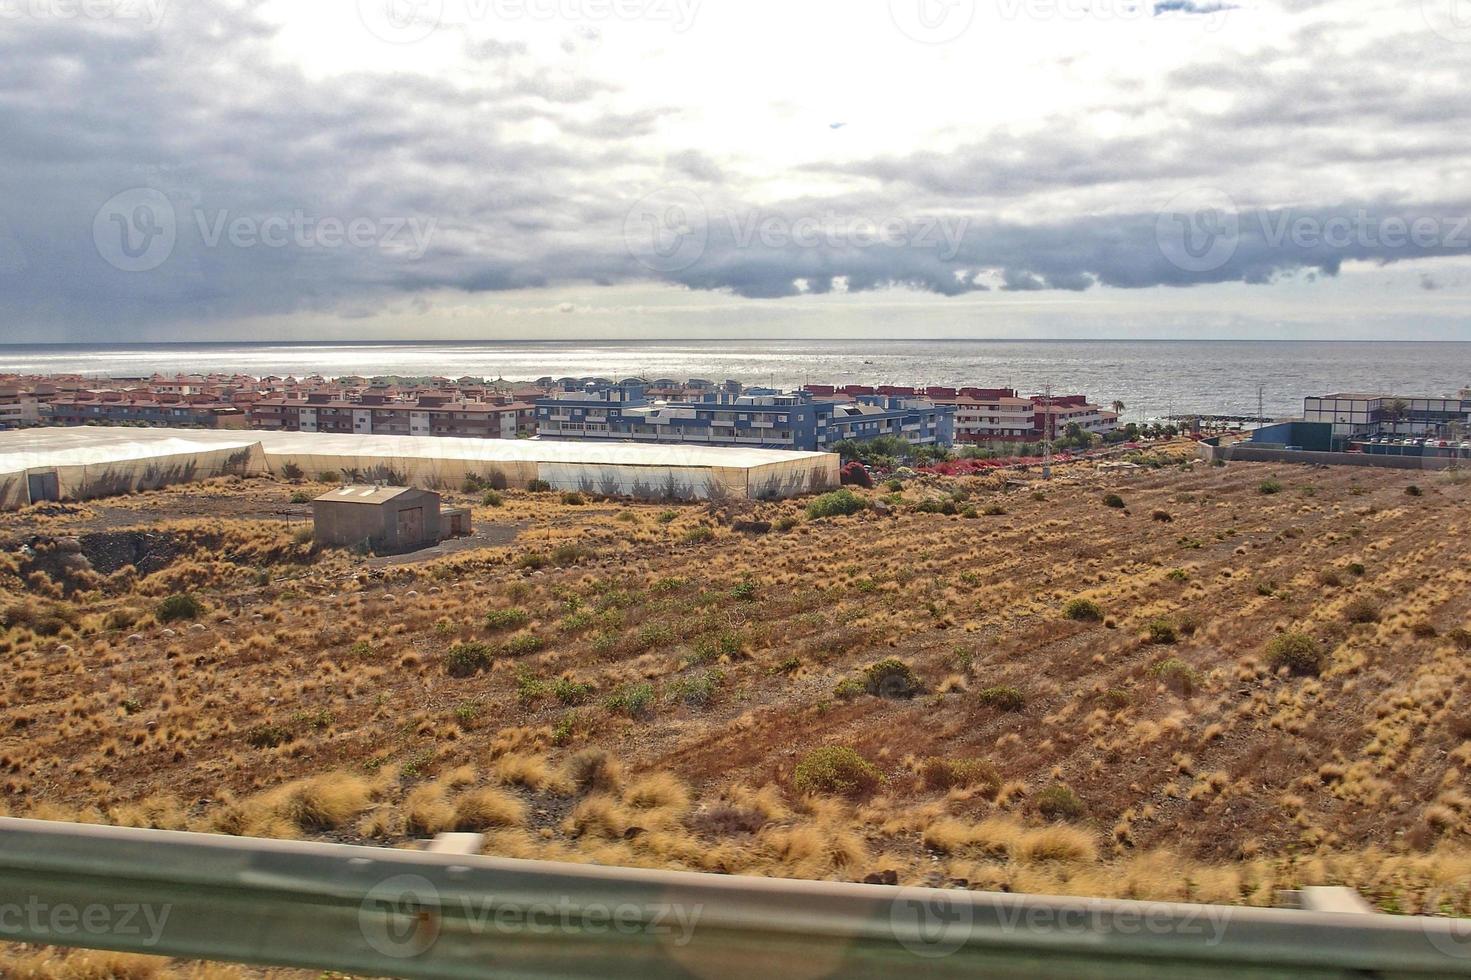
{"points": [[440, 914]]}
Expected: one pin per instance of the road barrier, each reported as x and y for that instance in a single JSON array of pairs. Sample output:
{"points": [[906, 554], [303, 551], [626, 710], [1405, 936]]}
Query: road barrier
{"points": [[445, 914]]}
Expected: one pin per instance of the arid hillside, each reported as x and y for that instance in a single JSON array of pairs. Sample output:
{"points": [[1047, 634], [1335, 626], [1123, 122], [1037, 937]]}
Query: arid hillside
{"points": [[1179, 681]]}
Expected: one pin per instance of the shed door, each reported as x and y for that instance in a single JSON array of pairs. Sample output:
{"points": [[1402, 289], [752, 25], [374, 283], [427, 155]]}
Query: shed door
{"points": [[44, 486], [411, 526]]}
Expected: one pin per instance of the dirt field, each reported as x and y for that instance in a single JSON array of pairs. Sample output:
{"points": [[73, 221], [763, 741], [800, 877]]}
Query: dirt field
{"points": [[1263, 685]]}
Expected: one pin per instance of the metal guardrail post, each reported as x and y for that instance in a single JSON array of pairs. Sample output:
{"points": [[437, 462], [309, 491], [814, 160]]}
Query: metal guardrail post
{"points": [[432, 915]]}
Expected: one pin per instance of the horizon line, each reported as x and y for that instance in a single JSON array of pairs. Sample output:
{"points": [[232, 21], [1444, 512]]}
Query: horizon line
{"points": [[788, 339]]}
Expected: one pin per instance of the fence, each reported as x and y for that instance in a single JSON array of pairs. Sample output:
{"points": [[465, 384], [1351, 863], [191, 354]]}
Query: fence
{"points": [[443, 914]]}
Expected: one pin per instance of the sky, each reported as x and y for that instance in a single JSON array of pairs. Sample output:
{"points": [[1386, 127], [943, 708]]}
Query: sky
{"points": [[546, 169]]}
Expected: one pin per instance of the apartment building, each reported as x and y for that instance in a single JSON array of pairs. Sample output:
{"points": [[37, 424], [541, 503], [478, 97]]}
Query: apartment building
{"points": [[18, 407], [988, 414], [142, 408], [380, 414], [757, 418], [1052, 416]]}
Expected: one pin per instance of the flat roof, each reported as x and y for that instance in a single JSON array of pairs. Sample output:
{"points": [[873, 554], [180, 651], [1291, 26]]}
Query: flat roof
{"points": [[91, 444], [363, 494]]}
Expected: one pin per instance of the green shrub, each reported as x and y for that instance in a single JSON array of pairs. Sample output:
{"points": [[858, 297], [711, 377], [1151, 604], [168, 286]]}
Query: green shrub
{"points": [[1269, 487], [493, 498], [745, 590], [666, 516], [849, 688], [568, 554], [787, 522], [268, 736], [1329, 577], [699, 534], [533, 560], [836, 770], [538, 486], [529, 688], [522, 644], [1002, 698], [180, 605], [652, 636], [891, 678], [507, 619], [837, 503], [1059, 803], [292, 472], [1178, 675], [632, 700], [994, 510], [1414, 491], [1083, 611], [725, 643], [1162, 516], [572, 498], [943, 774], [1356, 569], [1298, 652], [571, 692], [466, 659], [1178, 575], [699, 690], [329, 476], [1113, 500], [1361, 610], [1162, 631], [301, 497]]}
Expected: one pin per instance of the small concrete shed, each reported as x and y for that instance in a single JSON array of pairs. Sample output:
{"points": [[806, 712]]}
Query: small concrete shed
{"points": [[385, 519]]}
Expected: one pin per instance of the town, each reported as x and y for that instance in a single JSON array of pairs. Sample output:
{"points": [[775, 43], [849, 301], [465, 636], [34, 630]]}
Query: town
{"points": [[662, 410]]}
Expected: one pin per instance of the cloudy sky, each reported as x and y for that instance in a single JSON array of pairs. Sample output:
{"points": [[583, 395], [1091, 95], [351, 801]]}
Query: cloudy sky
{"points": [[377, 169]]}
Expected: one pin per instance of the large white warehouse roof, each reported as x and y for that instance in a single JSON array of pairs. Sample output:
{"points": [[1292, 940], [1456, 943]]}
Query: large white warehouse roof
{"points": [[93, 460]]}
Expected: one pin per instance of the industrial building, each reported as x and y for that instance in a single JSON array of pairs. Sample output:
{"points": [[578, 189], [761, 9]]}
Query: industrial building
{"points": [[93, 461], [1362, 430], [1359, 416], [384, 520]]}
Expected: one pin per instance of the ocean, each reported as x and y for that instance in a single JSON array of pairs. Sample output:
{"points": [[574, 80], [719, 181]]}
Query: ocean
{"points": [[1152, 378]]}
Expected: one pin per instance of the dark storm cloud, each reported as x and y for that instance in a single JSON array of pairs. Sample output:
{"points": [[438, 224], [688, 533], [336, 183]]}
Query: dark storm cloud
{"points": [[454, 199]]}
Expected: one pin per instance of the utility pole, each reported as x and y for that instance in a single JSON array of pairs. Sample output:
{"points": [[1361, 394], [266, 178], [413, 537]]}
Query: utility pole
{"points": [[1047, 437]]}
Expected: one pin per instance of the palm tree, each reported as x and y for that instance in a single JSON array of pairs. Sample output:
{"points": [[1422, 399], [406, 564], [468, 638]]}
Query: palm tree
{"points": [[1118, 407]]}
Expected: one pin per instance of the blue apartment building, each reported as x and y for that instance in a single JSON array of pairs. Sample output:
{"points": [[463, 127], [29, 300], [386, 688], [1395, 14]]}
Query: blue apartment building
{"points": [[758, 418]]}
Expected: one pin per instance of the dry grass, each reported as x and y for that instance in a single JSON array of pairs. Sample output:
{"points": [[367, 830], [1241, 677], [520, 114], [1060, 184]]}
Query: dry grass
{"points": [[677, 679]]}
